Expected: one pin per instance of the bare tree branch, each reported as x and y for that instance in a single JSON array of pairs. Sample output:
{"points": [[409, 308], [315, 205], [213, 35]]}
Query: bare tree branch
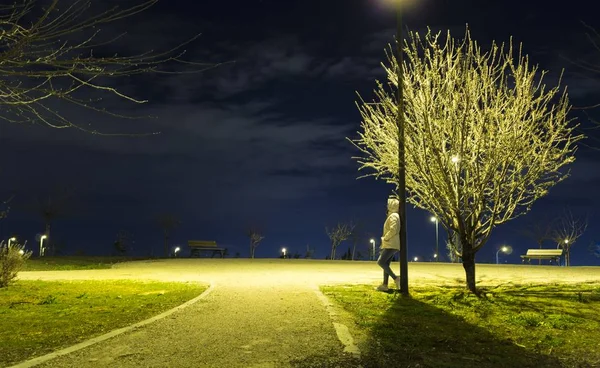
{"points": [[54, 53]]}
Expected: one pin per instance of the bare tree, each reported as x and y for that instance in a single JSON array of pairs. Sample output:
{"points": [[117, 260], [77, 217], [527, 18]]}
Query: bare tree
{"points": [[486, 137], [337, 235], [167, 222], [567, 229], [255, 238], [355, 235], [53, 52], [51, 207], [539, 231]]}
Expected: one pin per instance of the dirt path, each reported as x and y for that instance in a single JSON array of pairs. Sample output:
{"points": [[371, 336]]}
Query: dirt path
{"points": [[235, 326]]}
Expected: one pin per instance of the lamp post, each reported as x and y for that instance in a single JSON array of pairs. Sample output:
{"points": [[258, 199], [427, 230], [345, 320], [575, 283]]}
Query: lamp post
{"points": [[283, 250], [437, 250], [10, 240], [42, 244], [401, 189], [503, 249], [372, 241], [177, 249], [566, 251]]}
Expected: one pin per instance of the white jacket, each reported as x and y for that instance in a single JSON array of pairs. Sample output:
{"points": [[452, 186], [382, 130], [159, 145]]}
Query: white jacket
{"points": [[391, 227]]}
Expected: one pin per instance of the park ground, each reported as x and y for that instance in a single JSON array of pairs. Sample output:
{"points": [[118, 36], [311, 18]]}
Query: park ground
{"points": [[265, 312]]}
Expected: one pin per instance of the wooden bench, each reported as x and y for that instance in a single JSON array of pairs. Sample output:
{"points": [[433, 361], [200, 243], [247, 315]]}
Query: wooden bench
{"points": [[198, 246], [549, 254]]}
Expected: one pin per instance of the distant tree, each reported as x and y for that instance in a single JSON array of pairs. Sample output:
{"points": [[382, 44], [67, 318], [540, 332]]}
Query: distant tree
{"points": [[296, 254], [486, 137], [595, 249], [539, 231], [255, 237], [51, 207], [355, 237], [309, 252], [454, 247], [167, 222], [54, 51], [567, 229], [123, 242], [337, 235]]}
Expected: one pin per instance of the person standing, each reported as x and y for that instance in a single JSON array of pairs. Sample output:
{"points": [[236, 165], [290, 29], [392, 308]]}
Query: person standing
{"points": [[390, 244]]}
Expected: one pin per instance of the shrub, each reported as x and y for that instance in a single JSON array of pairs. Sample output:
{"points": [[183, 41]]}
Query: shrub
{"points": [[12, 259]]}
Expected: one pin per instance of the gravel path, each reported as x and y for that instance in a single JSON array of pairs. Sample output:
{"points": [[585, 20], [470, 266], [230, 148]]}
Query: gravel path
{"points": [[261, 313]]}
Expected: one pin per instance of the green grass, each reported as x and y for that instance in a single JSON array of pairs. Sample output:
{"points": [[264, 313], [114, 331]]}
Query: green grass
{"points": [[73, 263], [512, 326], [37, 317]]}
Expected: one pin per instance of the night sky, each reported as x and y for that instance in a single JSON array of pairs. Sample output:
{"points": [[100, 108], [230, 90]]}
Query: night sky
{"points": [[261, 139]]}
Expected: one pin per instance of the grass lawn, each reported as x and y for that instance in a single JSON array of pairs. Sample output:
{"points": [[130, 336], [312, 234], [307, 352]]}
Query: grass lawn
{"points": [[37, 317], [73, 263], [554, 325]]}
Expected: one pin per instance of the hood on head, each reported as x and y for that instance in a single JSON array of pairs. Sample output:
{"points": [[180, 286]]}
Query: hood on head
{"points": [[393, 205]]}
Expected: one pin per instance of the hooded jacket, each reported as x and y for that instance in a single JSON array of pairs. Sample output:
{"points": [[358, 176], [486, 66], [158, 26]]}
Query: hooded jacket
{"points": [[391, 227]]}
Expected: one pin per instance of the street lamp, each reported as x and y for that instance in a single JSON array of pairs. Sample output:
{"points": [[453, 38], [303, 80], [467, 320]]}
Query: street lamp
{"points": [[401, 189], [10, 240], [416, 259], [503, 249], [283, 250], [177, 249], [42, 244], [372, 241], [437, 250]]}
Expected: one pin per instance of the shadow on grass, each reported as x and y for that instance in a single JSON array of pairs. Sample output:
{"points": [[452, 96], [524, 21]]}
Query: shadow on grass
{"points": [[411, 333]]}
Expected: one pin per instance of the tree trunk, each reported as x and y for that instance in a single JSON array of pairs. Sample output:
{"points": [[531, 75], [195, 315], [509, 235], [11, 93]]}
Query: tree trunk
{"points": [[540, 260], [468, 259], [353, 250], [333, 246]]}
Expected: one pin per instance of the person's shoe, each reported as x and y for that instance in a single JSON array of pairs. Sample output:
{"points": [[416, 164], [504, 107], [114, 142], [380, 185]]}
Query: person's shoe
{"points": [[382, 287], [397, 281]]}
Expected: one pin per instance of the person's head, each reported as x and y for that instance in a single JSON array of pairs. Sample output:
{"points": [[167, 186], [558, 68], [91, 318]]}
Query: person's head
{"points": [[392, 205]]}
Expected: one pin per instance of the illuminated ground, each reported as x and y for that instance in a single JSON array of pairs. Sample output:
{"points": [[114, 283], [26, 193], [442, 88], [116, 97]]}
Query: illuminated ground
{"points": [[261, 312]]}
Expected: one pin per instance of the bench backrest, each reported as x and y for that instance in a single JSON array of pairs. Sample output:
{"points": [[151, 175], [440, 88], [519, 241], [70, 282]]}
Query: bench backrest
{"points": [[544, 252], [202, 243]]}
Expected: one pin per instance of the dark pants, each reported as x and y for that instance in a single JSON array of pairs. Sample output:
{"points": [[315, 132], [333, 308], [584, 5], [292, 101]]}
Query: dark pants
{"points": [[384, 261]]}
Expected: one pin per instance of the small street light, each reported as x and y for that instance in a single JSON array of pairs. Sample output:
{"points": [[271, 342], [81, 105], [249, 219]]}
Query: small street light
{"points": [[437, 250], [503, 249], [283, 250], [416, 259], [10, 240], [42, 244], [372, 241], [177, 249]]}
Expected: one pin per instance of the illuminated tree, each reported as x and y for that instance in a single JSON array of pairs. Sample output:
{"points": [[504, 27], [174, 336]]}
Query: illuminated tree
{"points": [[485, 138], [567, 229], [337, 235], [57, 52]]}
